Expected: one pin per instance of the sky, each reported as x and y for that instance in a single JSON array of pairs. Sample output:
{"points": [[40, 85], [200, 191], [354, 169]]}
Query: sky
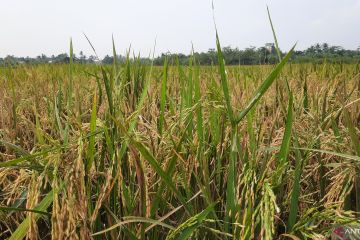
{"points": [[33, 27]]}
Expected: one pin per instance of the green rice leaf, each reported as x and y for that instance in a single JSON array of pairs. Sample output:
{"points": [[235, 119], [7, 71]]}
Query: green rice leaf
{"points": [[131, 219], [187, 228], [91, 146], [264, 86], [156, 166], [224, 81], [22, 229]]}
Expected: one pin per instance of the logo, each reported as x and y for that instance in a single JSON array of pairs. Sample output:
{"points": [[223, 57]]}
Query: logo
{"points": [[345, 232]]}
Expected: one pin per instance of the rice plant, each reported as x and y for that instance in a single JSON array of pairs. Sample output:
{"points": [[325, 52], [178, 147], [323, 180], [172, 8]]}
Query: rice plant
{"points": [[134, 151]]}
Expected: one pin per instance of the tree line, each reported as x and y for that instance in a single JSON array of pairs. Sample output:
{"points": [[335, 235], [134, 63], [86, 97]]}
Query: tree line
{"points": [[233, 56]]}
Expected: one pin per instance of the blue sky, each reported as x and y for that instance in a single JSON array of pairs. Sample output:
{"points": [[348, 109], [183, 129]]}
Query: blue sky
{"points": [[32, 27]]}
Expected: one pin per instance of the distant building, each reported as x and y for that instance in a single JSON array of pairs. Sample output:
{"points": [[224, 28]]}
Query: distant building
{"points": [[270, 47]]}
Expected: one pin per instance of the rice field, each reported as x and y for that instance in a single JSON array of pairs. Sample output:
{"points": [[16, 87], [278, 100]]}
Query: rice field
{"points": [[134, 151]]}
